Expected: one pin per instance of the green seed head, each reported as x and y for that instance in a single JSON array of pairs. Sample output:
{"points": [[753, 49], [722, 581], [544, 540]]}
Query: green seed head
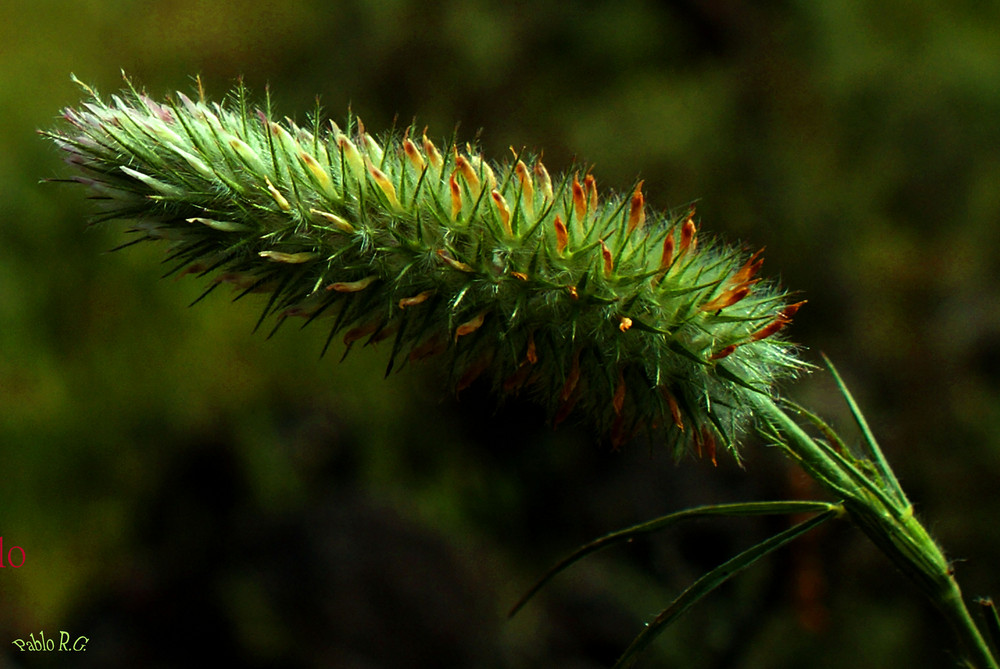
{"points": [[590, 303]]}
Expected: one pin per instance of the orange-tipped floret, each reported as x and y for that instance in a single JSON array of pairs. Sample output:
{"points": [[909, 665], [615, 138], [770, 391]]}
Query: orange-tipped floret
{"points": [[503, 210], [471, 325], [666, 255], [637, 211], [590, 186], [463, 166], [433, 155], [413, 154], [609, 263], [456, 197], [783, 318], [544, 180], [562, 234], [527, 187], [618, 401], [689, 239], [579, 200], [749, 269], [726, 299]]}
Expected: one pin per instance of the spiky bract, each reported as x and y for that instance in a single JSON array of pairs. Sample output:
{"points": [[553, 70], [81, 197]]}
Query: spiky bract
{"points": [[587, 302]]}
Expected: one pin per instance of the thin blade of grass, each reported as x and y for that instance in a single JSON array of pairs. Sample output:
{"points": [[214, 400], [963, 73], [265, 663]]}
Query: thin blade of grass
{"points": [[713, 579], [880, 462], [849, 465], [663, 522]]}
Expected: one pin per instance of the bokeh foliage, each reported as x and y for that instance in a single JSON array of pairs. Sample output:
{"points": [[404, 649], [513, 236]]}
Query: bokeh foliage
{"points": [[167, 472]]}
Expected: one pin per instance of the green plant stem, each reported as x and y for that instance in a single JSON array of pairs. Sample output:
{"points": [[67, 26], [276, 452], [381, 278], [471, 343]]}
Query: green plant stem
{"points": [[886, 517], [952, 605]]}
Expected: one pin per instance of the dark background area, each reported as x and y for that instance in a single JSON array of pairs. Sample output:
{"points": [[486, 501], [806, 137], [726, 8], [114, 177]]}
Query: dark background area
{"points": [[189, 494]]}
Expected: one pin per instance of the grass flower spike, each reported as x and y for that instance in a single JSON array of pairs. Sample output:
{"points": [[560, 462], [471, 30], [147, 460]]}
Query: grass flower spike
{"points": [[592, 304], [588, 302]]}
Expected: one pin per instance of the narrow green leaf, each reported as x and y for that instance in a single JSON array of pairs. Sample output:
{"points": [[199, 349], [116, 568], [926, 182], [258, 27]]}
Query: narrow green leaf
{"points": [[820, 425], [880, 462], [839, 470], [716, 577], [663, 522]]}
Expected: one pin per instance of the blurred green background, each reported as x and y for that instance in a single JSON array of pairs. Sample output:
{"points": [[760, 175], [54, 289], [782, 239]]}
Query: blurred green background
{"points": [[187, 493]]}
